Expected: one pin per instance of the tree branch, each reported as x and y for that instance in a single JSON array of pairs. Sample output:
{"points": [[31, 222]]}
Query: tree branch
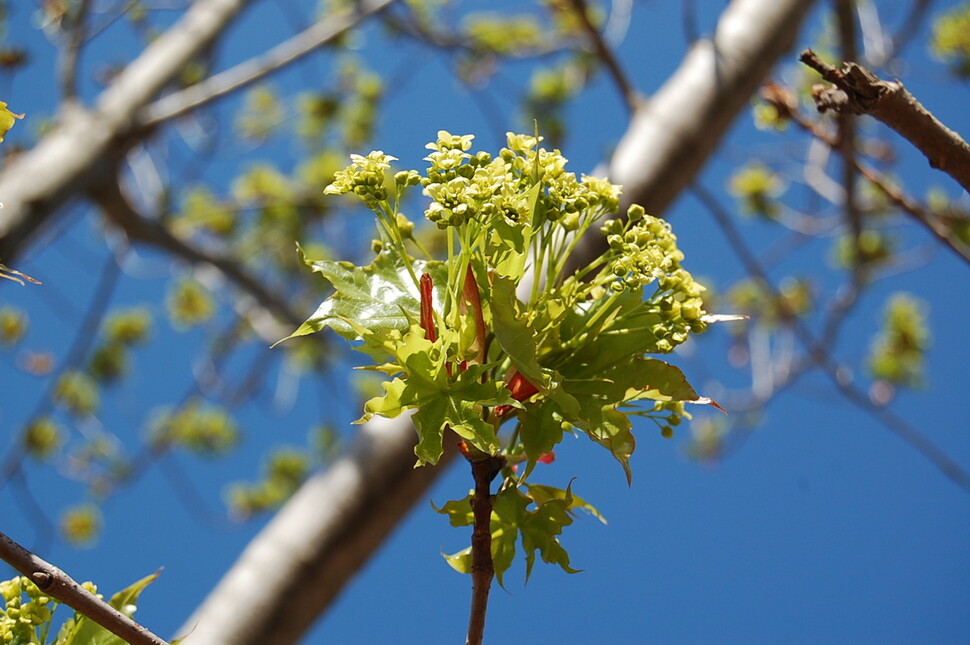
{"points": [[859, 91], [629, 94], [60, 586], [819, 355], [86, 143], [484, 469], [785, 104], [320, 33], [119, 210]]}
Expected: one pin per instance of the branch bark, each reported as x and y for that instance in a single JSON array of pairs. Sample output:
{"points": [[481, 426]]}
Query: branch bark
{"points": [[339, 517], [60, 586], [85, 144], [484, 470], [858, 91]]}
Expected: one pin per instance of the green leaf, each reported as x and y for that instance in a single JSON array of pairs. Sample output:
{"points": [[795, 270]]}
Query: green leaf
{"points": [[7, 119], [459, 511], [539, 431], [441, 399], [542, 494], [379, 297], [508, 514], [88, 632], [627, 330], [461, 561], [539, 530]]}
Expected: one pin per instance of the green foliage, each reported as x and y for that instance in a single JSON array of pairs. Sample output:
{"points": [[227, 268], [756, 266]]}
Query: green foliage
{"points": [[261, 113], [951, 39], [121, 331], [758, 190], [81, 524], [285, 470], [7, 119], [202, 212], [78, 393], [749, 297], [28, 615], [43, 437], [898, 352], [871, 248], [502, 33], [473, 342], [531, 514], [13, 325], [189, 304], [201, 428]]}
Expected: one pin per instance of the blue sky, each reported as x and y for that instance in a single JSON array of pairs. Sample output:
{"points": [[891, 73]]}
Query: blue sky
{"points": [[822, 527]]}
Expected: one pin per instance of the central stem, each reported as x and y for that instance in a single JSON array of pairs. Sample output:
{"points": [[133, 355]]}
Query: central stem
{"points": [[483, 568]]}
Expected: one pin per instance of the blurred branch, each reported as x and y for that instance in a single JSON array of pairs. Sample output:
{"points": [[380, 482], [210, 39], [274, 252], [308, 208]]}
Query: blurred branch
{"points": [[818, 354], [75, 35], [306, 42], [605, 54], [119, 210], [85, 143], [60, 586], [859, 91], [845, 14]]}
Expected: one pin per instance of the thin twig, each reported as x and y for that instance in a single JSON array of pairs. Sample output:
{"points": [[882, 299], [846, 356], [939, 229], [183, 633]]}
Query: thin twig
{"points": [[483, 568], [60, 586], [859, 91], [845, 12], [818, 353], [67, 63], [783, 101], [630, 96], [306, 42], [119, 210]]}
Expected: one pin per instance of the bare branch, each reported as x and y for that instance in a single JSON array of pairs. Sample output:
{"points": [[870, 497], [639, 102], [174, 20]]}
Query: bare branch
{"points": [[306, 42], [785, 105], [630, 96], [60, 586], [75, 28], [818, 354], [859, 91], [139, 228]]}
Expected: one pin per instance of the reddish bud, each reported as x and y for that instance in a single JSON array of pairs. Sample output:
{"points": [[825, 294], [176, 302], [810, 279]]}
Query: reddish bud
{"points": [[546, 458], [427, 314], [521, 388]]}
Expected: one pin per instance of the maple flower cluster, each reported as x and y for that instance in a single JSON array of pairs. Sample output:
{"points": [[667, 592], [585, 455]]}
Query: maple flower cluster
{"points": [[19, 620], [506, 330], [643, 250], [465, 187]]}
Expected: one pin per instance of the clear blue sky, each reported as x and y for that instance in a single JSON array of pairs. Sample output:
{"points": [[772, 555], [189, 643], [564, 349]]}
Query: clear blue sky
{"points": [[822, 527]]}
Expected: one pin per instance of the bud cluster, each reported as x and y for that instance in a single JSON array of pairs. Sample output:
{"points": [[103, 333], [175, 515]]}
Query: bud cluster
{"points": [[19, 620], [467, 187], [643, 250]]}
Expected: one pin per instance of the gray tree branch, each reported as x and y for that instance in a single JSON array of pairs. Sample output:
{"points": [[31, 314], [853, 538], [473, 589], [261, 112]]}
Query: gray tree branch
{"points": [[83, 147], [307, 41], [339, 517]]}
